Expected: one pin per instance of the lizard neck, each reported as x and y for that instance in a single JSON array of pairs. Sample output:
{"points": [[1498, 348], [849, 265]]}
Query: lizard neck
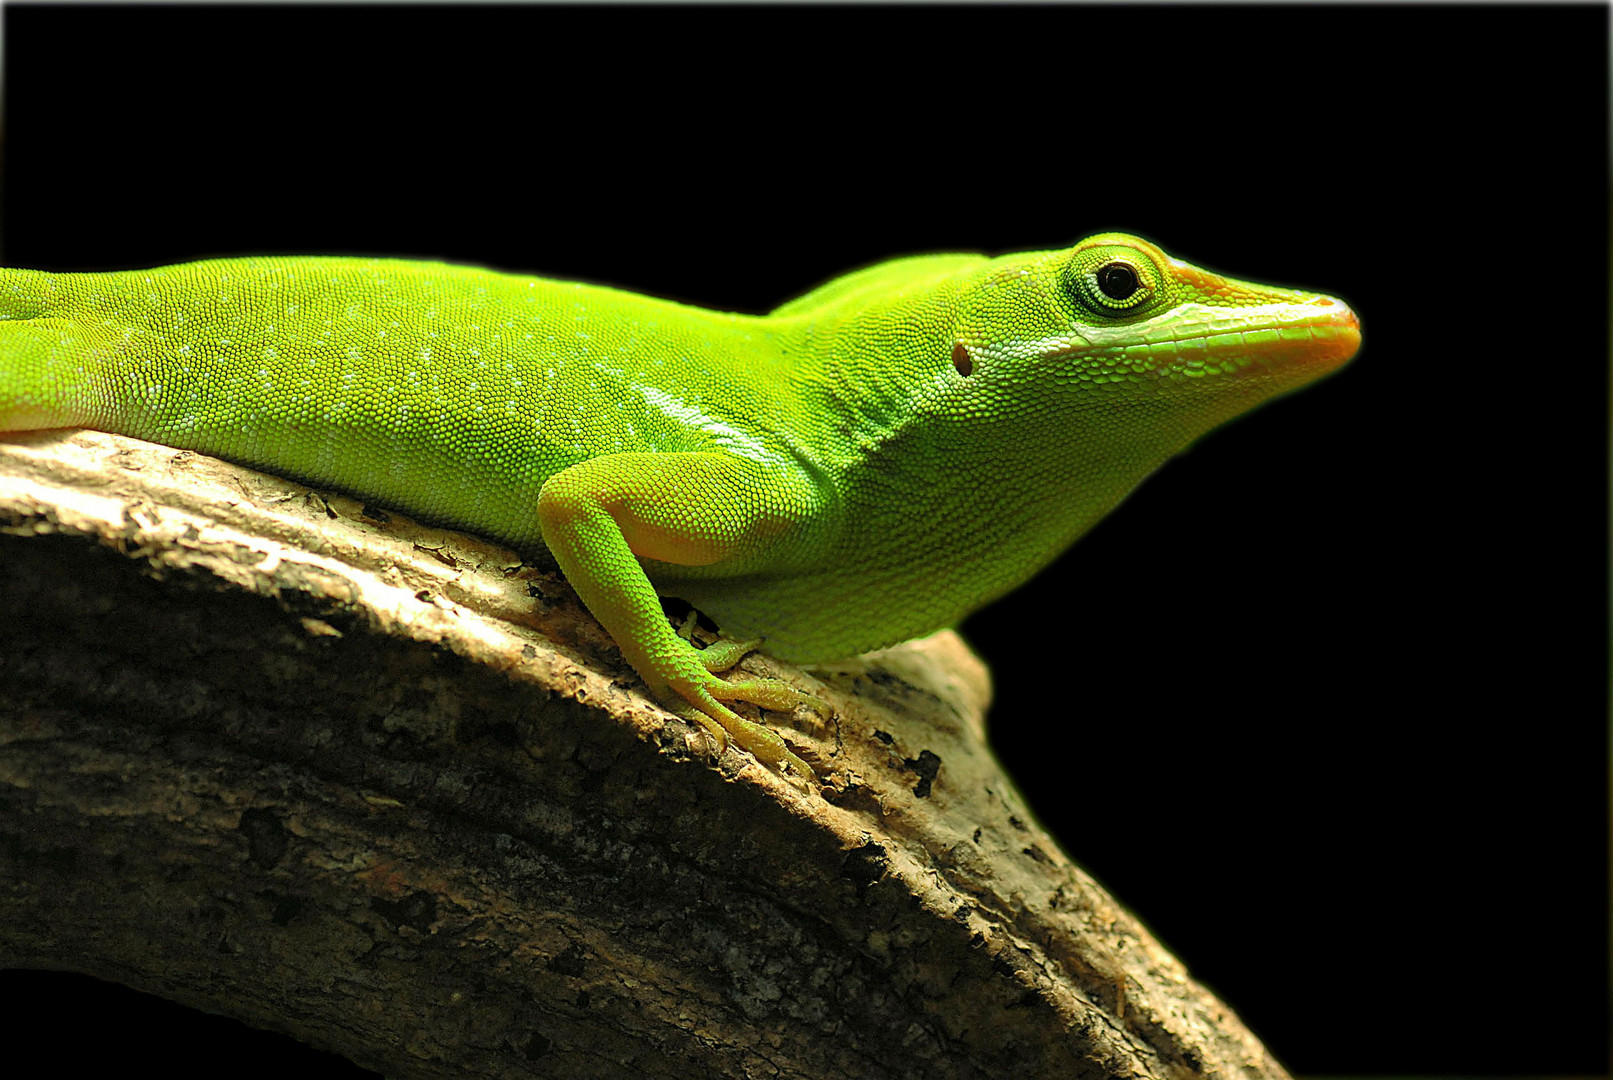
{"points": [[869, 364]]}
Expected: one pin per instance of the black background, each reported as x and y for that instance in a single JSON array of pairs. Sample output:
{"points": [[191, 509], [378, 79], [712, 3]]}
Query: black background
{"points": [[1324, 702]]}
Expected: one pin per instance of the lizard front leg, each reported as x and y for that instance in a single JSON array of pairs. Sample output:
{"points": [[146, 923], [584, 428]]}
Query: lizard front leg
{"points": [[601, 516]]}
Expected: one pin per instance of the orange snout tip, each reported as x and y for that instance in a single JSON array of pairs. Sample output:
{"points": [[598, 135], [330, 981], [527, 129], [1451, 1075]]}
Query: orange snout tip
{"points": [[1335, 332]]}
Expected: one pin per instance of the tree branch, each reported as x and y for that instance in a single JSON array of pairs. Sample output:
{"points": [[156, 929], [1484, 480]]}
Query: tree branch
{"points": [[274, 754]]}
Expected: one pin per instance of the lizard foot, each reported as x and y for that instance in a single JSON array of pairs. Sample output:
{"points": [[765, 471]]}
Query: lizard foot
{"points": [[703, 703], [706, 708]]}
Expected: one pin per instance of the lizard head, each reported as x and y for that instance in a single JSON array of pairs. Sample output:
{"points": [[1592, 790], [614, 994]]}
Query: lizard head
{"points": [[1162, 349]]}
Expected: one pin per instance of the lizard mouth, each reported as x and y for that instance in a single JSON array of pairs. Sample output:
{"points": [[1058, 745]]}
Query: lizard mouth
{"points": [[1308, 339], [1299, 339]]}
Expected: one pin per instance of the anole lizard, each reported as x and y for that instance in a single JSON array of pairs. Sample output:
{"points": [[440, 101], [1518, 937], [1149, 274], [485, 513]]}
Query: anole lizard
{"points": [[867, 463]]}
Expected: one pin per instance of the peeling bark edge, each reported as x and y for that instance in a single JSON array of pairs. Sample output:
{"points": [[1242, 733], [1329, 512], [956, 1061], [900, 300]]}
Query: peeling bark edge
{"points": [[283, 756]]}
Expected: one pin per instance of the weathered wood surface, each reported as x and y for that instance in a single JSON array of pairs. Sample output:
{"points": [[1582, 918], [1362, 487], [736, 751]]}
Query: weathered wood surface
{"points": [[272, 753]]}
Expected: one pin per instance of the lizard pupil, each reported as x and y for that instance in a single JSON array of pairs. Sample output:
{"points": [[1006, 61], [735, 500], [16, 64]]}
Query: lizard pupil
{"points": [[1117, 281]]}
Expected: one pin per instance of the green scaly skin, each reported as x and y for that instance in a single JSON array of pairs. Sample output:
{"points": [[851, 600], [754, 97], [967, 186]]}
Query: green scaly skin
{"points": [[867, 463]]}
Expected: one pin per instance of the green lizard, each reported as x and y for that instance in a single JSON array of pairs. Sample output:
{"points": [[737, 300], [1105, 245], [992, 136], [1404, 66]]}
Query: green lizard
{"points": [[867, 463]]}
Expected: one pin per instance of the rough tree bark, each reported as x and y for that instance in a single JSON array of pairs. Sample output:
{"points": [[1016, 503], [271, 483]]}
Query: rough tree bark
{"points": [[272, 753]]}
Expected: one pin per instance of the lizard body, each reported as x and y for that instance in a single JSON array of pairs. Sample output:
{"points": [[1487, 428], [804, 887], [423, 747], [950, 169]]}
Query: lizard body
{"points": [[867, 463]]}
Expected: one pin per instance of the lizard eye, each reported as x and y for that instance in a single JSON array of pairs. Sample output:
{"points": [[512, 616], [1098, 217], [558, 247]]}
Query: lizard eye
{"points": [[1114, 281], [1118, 281]]}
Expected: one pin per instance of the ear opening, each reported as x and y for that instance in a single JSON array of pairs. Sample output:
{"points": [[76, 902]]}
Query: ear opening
{"points": [[962, 360]]}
